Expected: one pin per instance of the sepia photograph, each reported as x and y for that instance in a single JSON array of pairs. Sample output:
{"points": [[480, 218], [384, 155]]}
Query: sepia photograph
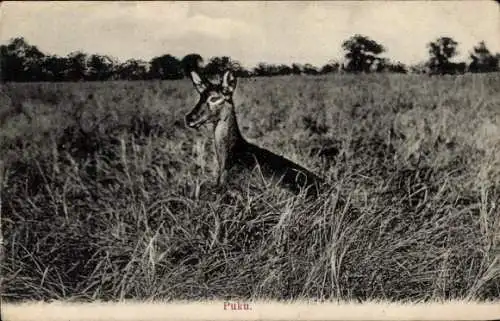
{"points": [[250, 160]]}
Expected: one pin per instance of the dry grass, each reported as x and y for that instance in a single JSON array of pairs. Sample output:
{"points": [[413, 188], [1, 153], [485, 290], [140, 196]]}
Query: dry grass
{"points": [[129, 211]]}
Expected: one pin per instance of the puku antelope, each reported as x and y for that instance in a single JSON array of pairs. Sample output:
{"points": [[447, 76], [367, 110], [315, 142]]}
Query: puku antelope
{"points": [[233, 151]]}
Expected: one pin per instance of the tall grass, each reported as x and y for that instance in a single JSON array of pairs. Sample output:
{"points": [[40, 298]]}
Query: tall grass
{"points": [[121, 204]]}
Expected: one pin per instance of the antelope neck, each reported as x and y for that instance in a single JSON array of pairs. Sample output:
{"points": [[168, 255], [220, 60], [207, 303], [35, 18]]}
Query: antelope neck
{"points": [[226, 130]]}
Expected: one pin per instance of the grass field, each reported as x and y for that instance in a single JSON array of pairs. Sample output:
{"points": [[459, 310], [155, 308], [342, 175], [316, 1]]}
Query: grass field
{"points": [[121, 204]]}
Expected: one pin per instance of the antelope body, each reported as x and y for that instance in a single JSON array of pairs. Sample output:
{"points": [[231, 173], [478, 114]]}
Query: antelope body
{"points": [[234, 152]]}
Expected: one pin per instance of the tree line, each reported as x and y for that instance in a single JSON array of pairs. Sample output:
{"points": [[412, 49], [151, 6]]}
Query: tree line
{"points": [[23, 62]]}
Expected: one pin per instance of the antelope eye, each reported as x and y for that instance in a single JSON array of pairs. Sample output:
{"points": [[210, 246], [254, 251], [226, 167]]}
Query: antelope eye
{"points": [[214, 100]]}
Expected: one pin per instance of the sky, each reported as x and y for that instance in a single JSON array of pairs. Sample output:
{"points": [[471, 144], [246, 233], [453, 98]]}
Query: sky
{"points": [[249, 31]]}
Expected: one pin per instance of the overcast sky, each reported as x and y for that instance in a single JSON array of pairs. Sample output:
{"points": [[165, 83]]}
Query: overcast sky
{"points": [[251, 32]]}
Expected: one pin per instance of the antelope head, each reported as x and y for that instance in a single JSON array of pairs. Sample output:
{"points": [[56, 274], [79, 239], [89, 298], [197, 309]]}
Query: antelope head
{"points": [[214, 99]]}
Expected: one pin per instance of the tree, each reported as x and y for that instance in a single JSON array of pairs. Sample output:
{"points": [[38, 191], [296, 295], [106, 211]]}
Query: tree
{"points": [[396, 67], [12, 66], [77, 66], [297, 69], [166, 67], [361, 53], [218, 65], [100, 67], [441, 51], [379, 64], [21, 61], [283, 69], [55, 68], [310, 70], [482, 59], [264, 69], [132, 69], [330, 67], [420, 68], [191, 62]]}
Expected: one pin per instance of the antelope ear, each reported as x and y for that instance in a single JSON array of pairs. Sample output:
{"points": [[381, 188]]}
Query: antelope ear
{"points": [[229, 82], [198, 82]]}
